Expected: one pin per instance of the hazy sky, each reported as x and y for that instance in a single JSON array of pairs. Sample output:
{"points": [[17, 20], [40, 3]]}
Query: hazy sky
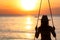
{"points": [[24, 7]]}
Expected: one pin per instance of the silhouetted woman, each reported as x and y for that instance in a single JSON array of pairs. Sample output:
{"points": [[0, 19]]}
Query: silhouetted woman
{"points": [[45, 30]]}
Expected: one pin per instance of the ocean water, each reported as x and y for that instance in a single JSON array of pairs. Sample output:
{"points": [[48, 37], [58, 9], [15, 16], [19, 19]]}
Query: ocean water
{"points": [[23, 27]]}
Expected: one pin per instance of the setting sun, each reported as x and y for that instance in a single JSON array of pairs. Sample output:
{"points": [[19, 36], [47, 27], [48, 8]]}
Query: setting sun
{"points": [[28, 4]]}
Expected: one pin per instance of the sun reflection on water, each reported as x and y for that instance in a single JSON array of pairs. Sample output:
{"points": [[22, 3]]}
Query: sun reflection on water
{"points": [[28, 23], [20, 27], [28, 27], [28, 35], [28, 20]]}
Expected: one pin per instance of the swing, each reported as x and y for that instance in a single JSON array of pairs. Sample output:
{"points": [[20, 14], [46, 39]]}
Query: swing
{"points": [[50, 14]]}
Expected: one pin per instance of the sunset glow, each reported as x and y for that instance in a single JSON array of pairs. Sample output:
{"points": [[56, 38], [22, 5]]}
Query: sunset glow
{"points": [[28, 4], [28, 7], [18, 18]]}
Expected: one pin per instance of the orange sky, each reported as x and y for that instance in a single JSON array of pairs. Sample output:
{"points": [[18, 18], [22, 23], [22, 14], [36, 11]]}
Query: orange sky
{"points": [[14, 7]]}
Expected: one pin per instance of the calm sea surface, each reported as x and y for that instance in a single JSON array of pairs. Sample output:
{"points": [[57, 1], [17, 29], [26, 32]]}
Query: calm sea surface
{"points": [[23, 27]]}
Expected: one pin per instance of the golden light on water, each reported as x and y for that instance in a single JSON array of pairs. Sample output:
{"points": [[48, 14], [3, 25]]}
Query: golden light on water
{"points": [[28, 20], [28, 23], [28, 27], [28, 35]]}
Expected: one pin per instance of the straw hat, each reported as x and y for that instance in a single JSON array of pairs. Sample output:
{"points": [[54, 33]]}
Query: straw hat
{"points": [[44, 18]]}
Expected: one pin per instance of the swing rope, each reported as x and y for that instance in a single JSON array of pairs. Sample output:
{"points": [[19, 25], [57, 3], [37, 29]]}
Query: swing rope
{"points": [[39, 12], [51, 12], [38, 15], [51, 16]]}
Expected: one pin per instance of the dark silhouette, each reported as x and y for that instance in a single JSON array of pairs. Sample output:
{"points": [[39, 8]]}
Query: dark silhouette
{"points": [[45, 30]]}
